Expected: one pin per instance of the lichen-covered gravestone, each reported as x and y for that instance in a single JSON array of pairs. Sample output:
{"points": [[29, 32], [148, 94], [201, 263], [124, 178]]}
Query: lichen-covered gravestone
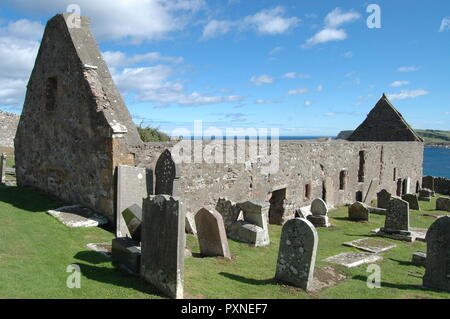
{"points": [[443, 203], [166, 175], [437, 263], [297, 253], [211, 234], [413, 201], [396, 225], [163, 244], [229, 212], [358, 212], [425, 195], [319, 210], [428, 182], [383, 198]]}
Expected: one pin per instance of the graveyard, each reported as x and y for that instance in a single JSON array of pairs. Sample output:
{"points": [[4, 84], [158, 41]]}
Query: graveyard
{"points": [[37, 248]]}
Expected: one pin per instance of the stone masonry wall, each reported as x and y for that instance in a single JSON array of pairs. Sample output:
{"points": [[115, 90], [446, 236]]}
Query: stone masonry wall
{"points": [[315, 163], [8, 128]]}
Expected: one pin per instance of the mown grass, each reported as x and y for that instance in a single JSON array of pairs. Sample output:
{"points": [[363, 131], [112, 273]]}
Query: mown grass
{"points": [[36, 249]]}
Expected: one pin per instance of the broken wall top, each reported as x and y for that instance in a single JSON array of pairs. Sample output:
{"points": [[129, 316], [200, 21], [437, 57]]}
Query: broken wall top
{"points": [[385, 124]]}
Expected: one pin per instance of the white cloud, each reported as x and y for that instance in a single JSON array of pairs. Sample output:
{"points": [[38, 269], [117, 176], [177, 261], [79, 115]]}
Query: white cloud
{"points": [[298, 91], [330, 32], [326, 35], [294, 75], [407, 69], [119, 59], [307, 103], [408, 94], [19, 45], [262, 101], [445, 24], [276, 50], [348, 54], [136, 20], [350, 74], [399, 83], [269, 21], [330, 114], [261, 80], [320, 88], [337, 18]]}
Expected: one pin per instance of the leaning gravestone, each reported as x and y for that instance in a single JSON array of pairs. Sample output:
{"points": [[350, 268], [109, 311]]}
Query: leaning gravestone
{"points": [[358, 212], [428, 182], [166, 175], [133, 185], [211, 234], [443, 203], [413, 201], [229, 212], [3, 168], [319, 211], [133, 219], [437, 263], [371, 191], [383, 198], [163, 244], [297, 253]]}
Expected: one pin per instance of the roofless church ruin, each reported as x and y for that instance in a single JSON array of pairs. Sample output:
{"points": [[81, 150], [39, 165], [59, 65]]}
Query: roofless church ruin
{"points": [[75, 136]]}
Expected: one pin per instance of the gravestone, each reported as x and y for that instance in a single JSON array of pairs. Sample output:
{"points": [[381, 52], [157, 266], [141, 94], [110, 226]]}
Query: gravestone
{"points": [[297, 253], [425, 195], [319, 211], [166, 175], [133, 220], [133, 185], [253, 228], [3, 168], [397, 216], [383, 198], [437, 263], [428, 182], [163, 244], [443, 203], [229, 212], [407, 186], [413, 201], [358, 212], [211, 234], [370, 194], [126, 254]]}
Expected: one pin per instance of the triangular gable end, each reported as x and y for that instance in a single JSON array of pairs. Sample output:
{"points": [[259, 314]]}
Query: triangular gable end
{"points": [[385, 124]]}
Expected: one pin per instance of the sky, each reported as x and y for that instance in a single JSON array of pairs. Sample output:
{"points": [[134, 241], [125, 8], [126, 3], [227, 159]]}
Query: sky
{"points": [[308, 68]]}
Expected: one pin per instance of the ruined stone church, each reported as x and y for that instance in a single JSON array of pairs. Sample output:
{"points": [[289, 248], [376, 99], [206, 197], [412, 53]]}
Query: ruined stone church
{"points": [[75, 131]]}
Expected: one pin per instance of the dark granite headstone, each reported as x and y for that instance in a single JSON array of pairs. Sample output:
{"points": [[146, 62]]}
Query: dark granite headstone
{"points": [[383, 198], [166, 175], [428, 182], [126, 254], [413, 201], [437, 263], [443, 203], [297, 253], [163, 244]]}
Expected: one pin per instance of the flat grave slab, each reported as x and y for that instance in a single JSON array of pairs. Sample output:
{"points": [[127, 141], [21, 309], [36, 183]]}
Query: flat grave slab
{"points": [[413, 235], [354, 259], [103, 249], [78, 216], [370, 245], [325, 277]]}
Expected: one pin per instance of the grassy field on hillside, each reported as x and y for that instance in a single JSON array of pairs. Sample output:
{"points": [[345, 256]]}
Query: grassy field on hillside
{"points": [[36, 250]]}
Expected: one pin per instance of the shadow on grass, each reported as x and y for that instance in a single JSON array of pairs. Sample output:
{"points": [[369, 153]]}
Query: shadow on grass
{"points": [[402, 262], [91, 257], [391, 285], [249, 281], [114, 277], [26, 198]]}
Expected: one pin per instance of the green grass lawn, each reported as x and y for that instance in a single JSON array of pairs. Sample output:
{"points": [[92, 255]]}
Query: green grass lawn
{"points": [[36, 249]]}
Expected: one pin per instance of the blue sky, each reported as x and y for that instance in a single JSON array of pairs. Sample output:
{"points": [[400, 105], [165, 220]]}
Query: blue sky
{"points": [[310, 68]]}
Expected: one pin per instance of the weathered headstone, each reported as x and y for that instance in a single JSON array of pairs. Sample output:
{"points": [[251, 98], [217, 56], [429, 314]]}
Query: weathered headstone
{"points": [[419, 258], [397, 216], [383, 198], [133, 220], [370, 194], [229, 212], [211, 234], [358, 212], [166, 175], [163, 244], [190, 224], [297, 253], [254, 228], [319, 212], [425, 195], [407, 186], [428, 182], [3, 168], [413, 201], [443, 203], [126, 254], [437, 264], [133, 185]]}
